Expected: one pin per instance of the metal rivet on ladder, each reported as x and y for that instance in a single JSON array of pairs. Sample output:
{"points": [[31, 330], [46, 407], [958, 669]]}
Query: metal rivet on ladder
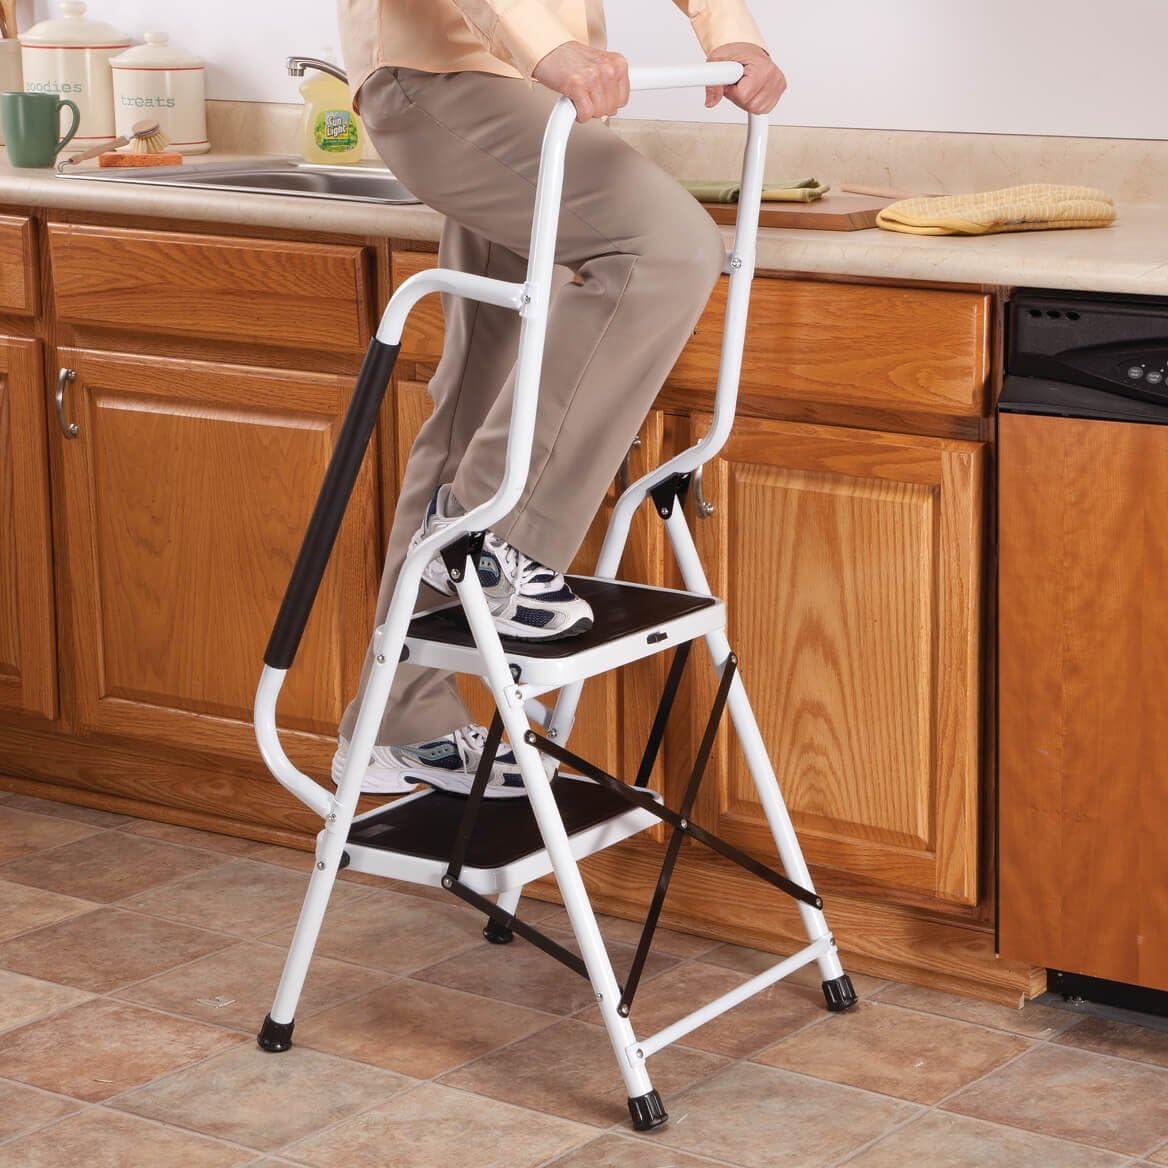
{"points": [[456, 573], [447, 882], [320, 865], [380, 659], [623, 1011], [530, 738], [683, 824]]}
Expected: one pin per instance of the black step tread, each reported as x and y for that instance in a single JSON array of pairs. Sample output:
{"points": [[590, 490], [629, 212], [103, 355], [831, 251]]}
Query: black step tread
{"points": [[620, 609], [506, 830]]}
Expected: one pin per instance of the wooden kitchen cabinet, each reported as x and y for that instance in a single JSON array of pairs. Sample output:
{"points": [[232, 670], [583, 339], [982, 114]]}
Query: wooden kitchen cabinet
{"points": [[851, 563], [186, 496], [28, 666]]}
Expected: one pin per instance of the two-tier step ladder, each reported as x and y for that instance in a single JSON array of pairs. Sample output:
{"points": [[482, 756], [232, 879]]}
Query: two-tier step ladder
{"points": [[485, 851]]}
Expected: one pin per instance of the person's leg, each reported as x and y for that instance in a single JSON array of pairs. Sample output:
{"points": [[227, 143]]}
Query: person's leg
{"points": [[478, 354], [647, 257]]}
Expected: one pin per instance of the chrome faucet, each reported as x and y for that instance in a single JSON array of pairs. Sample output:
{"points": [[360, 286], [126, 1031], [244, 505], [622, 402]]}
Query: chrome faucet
{"points": [[297, 66]]}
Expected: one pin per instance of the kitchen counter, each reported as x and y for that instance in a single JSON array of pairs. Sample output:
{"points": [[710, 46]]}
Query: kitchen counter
{"points": [[1131, 256]]}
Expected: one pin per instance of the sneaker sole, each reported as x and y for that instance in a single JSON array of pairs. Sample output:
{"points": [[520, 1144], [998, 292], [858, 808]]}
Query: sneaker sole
{"points": [[581, 627]]}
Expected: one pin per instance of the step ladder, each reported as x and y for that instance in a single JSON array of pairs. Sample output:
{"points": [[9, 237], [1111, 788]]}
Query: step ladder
{"points": [[484, 851]]}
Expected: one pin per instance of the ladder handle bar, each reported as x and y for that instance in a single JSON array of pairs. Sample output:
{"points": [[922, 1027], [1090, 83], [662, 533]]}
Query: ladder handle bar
{"points": [[532, 301]]}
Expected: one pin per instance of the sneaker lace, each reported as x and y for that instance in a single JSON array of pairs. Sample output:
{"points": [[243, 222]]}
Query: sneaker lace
{"points": [[523, 569]]}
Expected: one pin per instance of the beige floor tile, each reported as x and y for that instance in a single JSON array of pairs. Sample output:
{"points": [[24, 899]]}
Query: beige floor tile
{"points": [[73, 811], [385, 930], [108, 866], [25, 999], [919, 1057], [432, 1127], [23, 909], [760, 1117], [1072, 1094], [24, 1109], [100, 1048], [418, 1029], [629, 933], [242, 897], [98, 1138], [523, 974], [23, 833], [754, 961], [938, 1140], [755, 1023], [570, 1070], [235, 986], [106, 949], [614, 1151], [1033, 1020], [264, 1100], [190, 837], [1125, 1040]]}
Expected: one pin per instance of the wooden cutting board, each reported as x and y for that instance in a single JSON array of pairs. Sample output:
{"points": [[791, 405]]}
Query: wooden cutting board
{"points": [[842, 212]]}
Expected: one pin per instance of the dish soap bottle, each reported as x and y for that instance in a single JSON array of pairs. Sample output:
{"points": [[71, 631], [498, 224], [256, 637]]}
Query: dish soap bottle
{"points": [[330, 131]]}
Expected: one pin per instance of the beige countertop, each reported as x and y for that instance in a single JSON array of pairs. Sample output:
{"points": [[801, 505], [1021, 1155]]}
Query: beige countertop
{"points": [[1131, 256]]}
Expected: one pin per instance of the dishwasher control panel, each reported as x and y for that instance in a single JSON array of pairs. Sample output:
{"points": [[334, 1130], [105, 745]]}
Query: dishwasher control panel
{"points": [[1113, 343]]}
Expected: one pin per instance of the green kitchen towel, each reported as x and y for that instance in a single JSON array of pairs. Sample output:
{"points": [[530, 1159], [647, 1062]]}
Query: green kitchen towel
{"points": [[796, 190]]}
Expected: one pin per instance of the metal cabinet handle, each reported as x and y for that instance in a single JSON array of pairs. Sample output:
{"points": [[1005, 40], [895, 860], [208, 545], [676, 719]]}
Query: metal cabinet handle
{"points": [[702, 505], [69, 429], [622, 478]]}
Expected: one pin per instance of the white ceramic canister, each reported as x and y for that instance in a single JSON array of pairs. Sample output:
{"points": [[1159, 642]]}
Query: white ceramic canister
{"points": [[155, 81], [70, 55]]}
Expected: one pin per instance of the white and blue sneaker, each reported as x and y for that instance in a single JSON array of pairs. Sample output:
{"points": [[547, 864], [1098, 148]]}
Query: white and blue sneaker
{"points": [[447, 763], [530, 602]]}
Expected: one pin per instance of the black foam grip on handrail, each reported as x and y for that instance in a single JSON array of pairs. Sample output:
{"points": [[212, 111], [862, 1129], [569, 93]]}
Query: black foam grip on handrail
{"points": [[356, 430]]}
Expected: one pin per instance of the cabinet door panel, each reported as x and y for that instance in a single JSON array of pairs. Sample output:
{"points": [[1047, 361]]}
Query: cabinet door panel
{"points": [[851, 564], [28, 679], [616, 710], [187, 496]]}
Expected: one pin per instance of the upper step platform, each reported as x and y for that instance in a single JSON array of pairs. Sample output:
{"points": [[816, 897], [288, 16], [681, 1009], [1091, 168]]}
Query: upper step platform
{"points": [[633, 621]]}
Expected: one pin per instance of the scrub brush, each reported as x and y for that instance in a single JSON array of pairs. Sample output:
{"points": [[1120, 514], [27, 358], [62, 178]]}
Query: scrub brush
{"points": [[147, 145]]}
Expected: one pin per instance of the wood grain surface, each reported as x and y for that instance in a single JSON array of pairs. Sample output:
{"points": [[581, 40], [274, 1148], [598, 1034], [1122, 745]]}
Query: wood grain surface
{"points": [[834, 212], [188, 493], [850, 562], [872, 346], [28, 666], [18, 268], [1083, 648], [302, 295]]}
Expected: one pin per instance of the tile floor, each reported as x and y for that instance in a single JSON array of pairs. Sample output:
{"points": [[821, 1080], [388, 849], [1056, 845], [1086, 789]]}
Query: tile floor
{"points": [[136, 960]]}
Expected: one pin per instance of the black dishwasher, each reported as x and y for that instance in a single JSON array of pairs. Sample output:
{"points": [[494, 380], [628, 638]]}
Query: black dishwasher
{"points": [[1083, 644]]}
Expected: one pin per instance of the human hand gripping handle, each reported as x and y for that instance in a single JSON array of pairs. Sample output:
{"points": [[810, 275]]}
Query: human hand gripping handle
{"points": [[596, 81]]}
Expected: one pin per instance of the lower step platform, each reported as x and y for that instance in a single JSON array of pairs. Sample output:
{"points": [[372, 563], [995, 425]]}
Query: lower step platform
{"points": [[413, 838], [633, 621]]}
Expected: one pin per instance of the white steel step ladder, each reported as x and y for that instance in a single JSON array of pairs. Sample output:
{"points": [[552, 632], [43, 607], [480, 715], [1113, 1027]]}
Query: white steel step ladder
{"points": [[478, 849]]}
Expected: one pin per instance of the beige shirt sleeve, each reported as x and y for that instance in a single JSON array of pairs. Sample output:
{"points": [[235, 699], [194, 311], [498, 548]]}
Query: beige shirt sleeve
{"points": [[521, 32], [721, 22]]}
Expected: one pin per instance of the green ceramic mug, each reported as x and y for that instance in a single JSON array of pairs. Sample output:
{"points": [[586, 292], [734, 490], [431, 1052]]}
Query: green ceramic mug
{"points": [[32, 125]]}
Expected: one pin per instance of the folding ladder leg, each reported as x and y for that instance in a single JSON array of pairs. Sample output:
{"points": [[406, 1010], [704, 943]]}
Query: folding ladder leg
{"points": [[644, 1102], [837, 986]]}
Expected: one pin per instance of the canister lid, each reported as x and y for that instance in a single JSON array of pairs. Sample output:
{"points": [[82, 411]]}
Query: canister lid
{"points": [[72, 30], [156, 53]]}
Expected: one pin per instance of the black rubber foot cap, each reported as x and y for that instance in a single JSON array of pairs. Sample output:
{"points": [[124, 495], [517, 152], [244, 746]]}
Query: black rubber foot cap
{"points": [[840, 994], [275, 1037], [647, 1111], [498, 934]]}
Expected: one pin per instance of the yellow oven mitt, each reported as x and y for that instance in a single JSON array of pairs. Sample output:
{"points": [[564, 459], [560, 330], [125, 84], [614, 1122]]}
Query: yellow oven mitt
{"points": [[1038, 207]]}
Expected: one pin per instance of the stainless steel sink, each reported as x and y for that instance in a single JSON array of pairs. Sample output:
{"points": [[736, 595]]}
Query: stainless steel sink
{"points": [[266, 176]]}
